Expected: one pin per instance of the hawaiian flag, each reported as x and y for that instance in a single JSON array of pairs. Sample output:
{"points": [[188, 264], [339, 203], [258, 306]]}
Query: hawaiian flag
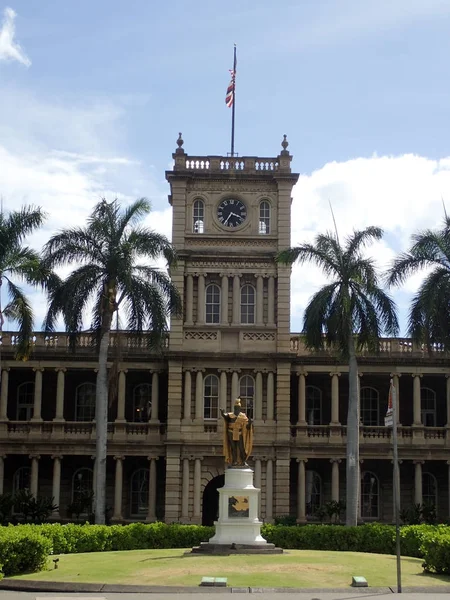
{"points": [[229, 98], [389, 418]]}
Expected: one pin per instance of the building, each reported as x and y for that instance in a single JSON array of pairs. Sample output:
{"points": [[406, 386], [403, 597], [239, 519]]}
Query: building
{"points": [[230, 217]]}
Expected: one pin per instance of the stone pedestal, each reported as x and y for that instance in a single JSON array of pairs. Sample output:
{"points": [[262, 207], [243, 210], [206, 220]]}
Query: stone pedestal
{"points": [[238, 528]]}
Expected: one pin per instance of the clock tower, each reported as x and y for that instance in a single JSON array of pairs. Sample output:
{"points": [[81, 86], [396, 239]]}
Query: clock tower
{"points": [[231, 215]]}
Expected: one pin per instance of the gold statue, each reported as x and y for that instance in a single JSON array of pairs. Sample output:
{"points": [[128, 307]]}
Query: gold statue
{"points": [[237, 437]]}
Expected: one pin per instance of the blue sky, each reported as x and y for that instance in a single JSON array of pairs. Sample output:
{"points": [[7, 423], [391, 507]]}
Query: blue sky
{"points": [[93, 94]]}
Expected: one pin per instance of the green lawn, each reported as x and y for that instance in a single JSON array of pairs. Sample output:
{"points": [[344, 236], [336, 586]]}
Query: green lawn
{"points": [[294, 568]]}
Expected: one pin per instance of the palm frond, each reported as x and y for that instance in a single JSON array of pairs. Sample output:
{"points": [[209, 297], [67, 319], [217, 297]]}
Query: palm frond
{"points": [[19, 310]]}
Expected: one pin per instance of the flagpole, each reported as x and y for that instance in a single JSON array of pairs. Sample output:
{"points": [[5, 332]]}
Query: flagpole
{"points": [[234, 103], [396, 487]]}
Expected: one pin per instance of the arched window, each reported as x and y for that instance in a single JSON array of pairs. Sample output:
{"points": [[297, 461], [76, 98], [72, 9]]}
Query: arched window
{"points": [[211, 397], [264, 217], [428, 407], [313, 396], [25, 401], [370, 406], [139, 492], [429, 490], [21, 479], [247, 304], [85, 402], [370, 496], [247, 394], [142, 402], [82, 489], [313, 483], [212, 303], [198, 217]]}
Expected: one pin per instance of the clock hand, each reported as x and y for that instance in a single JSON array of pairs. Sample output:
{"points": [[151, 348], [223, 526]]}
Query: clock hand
{"points": [[226, 220]]}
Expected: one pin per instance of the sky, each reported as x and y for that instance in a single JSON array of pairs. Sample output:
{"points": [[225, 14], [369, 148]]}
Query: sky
{"points": [[93, 95]]}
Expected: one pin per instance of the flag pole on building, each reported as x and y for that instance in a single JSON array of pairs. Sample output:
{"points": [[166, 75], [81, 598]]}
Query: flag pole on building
{"points": [[391, 421], [230, 98]]}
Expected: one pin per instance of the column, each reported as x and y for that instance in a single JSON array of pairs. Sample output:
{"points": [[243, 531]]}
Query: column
{"points": [[259, 300], [417, 416], [187, 394], [269, 489], [155, 396], [118, 489], [224, 301], [271, 301], [302, 399], [335, 479], [234, 387], [418, 481], [151, 515], [201, 300], [236, 300], [301, 490], [197, 487], [121, 390], [258, 395], [185, 490], [60, 381], [258, 482], [448, 399], [199, 395], [34, 474], [37, 395], [223, 390], [335, 398], [270, 396], [56, 484], [2, 472], [189, 299], [4, 395]]}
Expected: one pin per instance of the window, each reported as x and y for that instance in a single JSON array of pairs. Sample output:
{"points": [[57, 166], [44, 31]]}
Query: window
{"points": [[21, 479], [25, 401], [142, 402], [313, 405], [429, 490], [428, 407], [211, 397], [139, 492], [85, 402], [313, 490], [212, 303], [369, 496], [198, 217], [82, 489], [370, 407], [247, 394], [264, 217], [247, 304]]}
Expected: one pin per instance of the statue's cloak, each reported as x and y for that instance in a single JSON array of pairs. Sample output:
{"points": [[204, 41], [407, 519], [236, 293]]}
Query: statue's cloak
{"points": [[238, 425]]}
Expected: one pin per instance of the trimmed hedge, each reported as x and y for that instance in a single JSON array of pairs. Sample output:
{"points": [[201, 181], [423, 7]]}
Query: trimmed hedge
{"points": [[24, 548]]}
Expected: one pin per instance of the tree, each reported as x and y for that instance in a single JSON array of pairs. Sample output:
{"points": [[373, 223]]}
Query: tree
{"points": [[350, 313], [112, 254], [19, 262], [429, 314]]}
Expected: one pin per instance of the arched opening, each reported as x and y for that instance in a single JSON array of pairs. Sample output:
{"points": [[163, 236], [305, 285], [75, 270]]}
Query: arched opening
{"points": [[210, 509]]}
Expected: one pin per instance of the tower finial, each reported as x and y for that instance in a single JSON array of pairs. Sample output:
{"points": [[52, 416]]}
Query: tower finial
{"points": [[180, 142], [284, 145]]}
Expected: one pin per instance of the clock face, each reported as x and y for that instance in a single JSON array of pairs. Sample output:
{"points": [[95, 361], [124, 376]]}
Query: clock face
{"points": [[231, 212]]}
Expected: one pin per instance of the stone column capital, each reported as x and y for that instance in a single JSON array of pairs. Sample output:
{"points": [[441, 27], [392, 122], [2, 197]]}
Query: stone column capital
{"points": [[337, 373], [57, 456], [302, 460], [38, 369], [198, 369], [36, 456], [392, 375], [123, 370], [418, 462], [119, 457], [8, 369], [60, 369], [416, 375], [301, 372], [152, 457], [336, 460]]}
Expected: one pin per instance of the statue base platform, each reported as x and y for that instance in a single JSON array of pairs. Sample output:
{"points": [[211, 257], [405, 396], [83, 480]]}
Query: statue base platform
{"points": [[238, 528]]}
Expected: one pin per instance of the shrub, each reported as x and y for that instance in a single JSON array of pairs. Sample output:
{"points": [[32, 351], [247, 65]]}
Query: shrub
{"points": [[286, 520], [436, 552], [22, 551]]}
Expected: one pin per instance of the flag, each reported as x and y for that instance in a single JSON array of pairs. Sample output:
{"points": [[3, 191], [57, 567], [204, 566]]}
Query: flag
{"points": [[389, 418], [229, 98]]}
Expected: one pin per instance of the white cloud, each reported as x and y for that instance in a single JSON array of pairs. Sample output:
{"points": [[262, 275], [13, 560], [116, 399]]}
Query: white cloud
{"points": [[400, 194], [9, 47]]}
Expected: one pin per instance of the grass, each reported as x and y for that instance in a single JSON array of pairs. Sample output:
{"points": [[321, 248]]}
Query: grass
{"points": [[294, 568]]}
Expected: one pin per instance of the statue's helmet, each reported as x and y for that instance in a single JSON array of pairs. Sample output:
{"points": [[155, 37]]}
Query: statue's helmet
{"points": [[237, 402]]}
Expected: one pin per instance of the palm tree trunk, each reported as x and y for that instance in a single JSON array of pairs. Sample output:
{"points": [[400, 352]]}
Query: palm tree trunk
{"points": [[101, 420], [352, 469]]}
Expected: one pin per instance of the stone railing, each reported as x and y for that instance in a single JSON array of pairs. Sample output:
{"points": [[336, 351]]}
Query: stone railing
{"points": [[388, 347], [227, 164]]}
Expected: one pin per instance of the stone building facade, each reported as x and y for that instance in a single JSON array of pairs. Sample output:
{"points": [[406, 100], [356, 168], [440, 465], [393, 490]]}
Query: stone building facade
{"points": [[230, 217]]}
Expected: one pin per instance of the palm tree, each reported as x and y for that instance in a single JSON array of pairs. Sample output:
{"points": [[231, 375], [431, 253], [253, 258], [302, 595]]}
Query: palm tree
{"points": [[112, 274], [19, 262], [429, 315], [350, 313]]}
